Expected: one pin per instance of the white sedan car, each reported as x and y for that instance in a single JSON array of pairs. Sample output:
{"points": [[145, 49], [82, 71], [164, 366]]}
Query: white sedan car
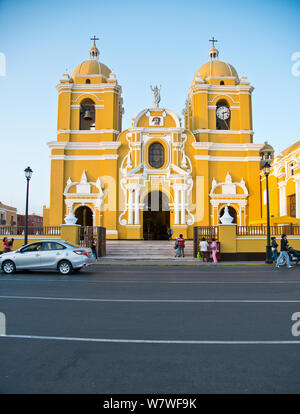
{"points": [[47, 255]]}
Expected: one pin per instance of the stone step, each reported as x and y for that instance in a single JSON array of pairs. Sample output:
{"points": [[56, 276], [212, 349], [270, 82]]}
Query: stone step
{"points": [[141, 248], [145, 249], [147, 253]]}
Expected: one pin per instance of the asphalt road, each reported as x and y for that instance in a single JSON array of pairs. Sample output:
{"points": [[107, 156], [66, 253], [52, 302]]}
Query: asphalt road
{"points": [[144, 329]]}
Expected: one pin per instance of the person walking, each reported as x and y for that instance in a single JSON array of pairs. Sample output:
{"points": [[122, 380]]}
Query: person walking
{"points": [[181, 245], [6, 246], [94, 248], [204, 249], [283, 252], [176, 247], [274, 246], [170, 233], [214, 249]]}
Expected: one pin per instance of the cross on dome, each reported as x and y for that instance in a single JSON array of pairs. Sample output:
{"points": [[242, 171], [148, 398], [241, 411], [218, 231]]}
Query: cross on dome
{"points": [[94, 51], [213, 40], [213, 53], [94, 39]]}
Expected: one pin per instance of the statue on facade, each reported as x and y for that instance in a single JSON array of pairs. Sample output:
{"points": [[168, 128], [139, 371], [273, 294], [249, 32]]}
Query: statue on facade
{"points": [[156, 95]]}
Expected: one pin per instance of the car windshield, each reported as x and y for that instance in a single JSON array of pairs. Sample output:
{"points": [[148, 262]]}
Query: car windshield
{"points": [[32, 248]]}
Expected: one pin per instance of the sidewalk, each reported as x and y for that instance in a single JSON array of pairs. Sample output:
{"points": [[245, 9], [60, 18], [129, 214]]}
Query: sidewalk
{"points": [[174, 262]]}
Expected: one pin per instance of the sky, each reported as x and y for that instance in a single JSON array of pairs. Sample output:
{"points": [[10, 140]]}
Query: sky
{"points": [[144, 43]]}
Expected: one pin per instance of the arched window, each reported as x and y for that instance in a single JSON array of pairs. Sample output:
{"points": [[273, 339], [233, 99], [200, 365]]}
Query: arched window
{"points": [[87, 114], [222, 83], [223, 115], [156, 155], [88, 81]]}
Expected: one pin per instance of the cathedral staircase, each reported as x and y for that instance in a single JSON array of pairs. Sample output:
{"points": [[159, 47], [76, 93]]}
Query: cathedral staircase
{"points": [[141, 250]]}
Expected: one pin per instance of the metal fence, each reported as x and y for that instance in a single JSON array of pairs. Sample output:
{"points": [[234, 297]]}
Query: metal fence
{"points": [[291, 230], [32, 231], [209, 232], [98, 234]]}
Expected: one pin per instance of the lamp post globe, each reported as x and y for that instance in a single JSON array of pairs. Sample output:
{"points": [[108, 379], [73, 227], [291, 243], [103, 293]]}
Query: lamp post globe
{"points": [[28, 174]]}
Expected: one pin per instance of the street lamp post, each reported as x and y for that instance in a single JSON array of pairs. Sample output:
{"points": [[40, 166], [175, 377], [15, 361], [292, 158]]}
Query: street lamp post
{"points": [[269, 259], [28, 173]]}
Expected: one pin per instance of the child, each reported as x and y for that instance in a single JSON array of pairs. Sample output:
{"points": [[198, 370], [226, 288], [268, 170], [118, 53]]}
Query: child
{"points": [[181, 245], [214, 248]]}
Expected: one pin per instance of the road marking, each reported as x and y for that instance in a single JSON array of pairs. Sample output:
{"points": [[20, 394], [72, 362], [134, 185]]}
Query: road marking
{"points": [[153, 300], [170, 272], [153, 281], [151, 341]]}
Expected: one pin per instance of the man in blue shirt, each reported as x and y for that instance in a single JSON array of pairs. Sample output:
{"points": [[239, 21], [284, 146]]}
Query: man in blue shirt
{"points": [[283, 251]]}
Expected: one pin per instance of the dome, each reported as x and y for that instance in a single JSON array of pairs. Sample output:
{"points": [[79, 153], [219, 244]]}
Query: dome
{"points": [[91, 67], [267, 147], [216, 68]]}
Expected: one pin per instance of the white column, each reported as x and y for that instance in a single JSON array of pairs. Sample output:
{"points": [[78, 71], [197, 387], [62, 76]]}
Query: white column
{"points": [[136, 206], [130, 206], [297, 185], [282, 199], [183, 205], [176, 205]]}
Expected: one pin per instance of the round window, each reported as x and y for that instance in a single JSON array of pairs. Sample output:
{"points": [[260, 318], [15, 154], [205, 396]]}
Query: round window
{"points": [[156, 155]]}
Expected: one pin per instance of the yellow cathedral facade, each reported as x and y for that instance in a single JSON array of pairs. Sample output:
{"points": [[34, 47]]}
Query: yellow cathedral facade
{"points": [[158, 174]]}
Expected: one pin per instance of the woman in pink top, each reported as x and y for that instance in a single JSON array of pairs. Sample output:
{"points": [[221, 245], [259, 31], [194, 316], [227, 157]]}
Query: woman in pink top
{"points": [[214, 249]]}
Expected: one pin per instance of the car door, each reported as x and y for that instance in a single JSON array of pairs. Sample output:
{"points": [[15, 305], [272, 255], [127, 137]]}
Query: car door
{"points": [[28, 257], [51, 253]]}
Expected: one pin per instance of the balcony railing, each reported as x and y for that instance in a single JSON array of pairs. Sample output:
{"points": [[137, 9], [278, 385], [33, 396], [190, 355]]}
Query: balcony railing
{"points": [[290, 230], [32, 231]]}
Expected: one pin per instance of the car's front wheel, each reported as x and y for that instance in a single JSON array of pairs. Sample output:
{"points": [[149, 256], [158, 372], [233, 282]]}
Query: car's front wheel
{"points": [[8, 267], [64, 267]]}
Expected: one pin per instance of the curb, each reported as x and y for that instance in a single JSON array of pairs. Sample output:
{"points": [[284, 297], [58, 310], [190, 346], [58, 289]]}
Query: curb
{"points": [[182, 264]]}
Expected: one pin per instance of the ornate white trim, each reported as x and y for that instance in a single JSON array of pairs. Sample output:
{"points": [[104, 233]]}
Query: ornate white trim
{"points": [[169, 112], [223, 132], [215, 146], [84, 157], [230, 159], [112, 232], [228, 185], [104, 145], [88, 131]]}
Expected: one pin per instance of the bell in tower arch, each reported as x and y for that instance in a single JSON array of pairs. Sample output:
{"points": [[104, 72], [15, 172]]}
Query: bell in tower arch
{"points": [[87, 115]]}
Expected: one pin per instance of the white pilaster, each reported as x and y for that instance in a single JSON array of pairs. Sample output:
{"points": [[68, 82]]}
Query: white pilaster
{"points": [[182, 205], [297, 188], [282, 198], [130, 206], [136, 206], [176, 205]]}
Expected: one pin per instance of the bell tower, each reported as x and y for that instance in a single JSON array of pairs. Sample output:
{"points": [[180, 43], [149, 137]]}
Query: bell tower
{"points": [[89, 102], [219, 107], [90, 108]]}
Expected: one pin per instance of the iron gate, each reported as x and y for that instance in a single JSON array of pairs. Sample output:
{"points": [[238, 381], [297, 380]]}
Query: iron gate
{"points": [[89, 233]]}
